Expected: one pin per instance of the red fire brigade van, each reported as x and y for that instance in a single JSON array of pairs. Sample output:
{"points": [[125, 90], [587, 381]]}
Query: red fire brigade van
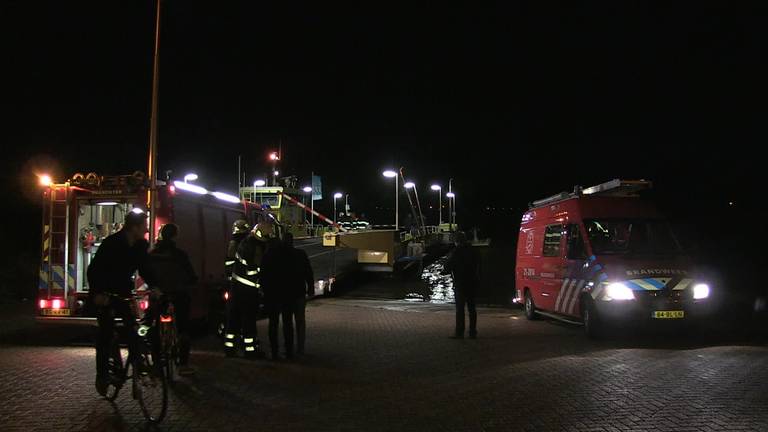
{"points": [[602, 256], [80, 213]]}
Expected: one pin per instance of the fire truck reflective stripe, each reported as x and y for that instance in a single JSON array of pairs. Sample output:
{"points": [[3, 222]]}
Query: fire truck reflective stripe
{"points": [[633, 286], [570, 295], [647, 284], [71, 277], [683, 284], [229, 344], [43, 282], [58, 275], [244, 281], [247, 340], [561, 294], [564, 295], [572, 306]]}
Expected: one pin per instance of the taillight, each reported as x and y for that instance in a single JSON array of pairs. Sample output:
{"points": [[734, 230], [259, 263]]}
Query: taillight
{"points": [[226, 295], [144, 304], [166, 318], [43, 303], [56, 304]]}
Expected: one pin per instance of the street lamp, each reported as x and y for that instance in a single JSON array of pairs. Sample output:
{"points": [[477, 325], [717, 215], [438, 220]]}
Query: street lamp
{"points": [[257, 183], [412, 185], [308, 190], [439, 189], [391, 174], [452, 206], [190, 177], [274, 157], [336, 196]]}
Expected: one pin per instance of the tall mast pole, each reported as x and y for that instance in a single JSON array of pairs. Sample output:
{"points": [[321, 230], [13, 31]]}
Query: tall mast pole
{"points": [[152, 165]]}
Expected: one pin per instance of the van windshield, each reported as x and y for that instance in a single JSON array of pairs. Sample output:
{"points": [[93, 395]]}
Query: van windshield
{"points": [[631, 236]]}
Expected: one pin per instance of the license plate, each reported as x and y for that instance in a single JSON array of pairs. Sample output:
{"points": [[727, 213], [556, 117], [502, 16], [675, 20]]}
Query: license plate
{"points": [[674, 314], [55, 312]]}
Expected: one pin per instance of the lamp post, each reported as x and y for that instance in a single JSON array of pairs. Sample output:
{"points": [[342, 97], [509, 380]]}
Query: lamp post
{"points": [[451, 205], [412, 185], [274, 157], [393, 174], [439, 190], [336, 196]]}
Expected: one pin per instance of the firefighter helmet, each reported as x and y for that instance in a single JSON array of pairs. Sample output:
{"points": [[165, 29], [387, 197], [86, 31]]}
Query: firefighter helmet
{"points": [[240, 226], [263, 230]]}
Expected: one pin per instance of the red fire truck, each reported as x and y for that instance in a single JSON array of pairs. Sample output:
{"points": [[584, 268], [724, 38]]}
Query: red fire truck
{"points": [[79, 213], [603, 256]]}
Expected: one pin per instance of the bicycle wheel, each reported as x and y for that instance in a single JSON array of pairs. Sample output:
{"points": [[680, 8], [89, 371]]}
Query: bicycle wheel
{"points": [[170, 352], [150, 385], [116, 372]]}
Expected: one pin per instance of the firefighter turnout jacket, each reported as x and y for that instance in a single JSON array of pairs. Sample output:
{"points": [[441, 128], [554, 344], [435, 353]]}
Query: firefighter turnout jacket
{"points": [[248, 258], [229, 262]]}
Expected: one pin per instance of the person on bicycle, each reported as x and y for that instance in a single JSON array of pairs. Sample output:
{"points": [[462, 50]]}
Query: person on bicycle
{"points": [[111, 283], [244, 299], [174, 275]]}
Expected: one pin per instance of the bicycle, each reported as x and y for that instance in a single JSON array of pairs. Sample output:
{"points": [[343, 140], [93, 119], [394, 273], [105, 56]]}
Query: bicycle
{"points": [[143, 368], [169, 341]]}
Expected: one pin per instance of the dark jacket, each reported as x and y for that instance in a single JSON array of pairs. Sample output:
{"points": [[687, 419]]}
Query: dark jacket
{"points": [[115, 263], [286, 274], [172, 268], [464, 264]]}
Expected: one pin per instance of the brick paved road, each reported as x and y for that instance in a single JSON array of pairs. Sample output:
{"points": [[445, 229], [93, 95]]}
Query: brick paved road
{"points": [[389, 366]]}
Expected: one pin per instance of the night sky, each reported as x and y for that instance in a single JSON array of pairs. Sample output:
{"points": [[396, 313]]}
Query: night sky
{"points": [[513, 102]]}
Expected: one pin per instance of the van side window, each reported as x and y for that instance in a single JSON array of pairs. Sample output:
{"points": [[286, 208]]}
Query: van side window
{"points": [[552, 236], [576, 248]]}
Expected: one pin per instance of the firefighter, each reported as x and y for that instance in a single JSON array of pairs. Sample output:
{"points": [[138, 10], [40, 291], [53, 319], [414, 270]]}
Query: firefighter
{"points": [[244, 299], [239, 231]]}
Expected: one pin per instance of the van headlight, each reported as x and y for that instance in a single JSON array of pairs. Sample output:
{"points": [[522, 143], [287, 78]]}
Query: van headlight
{"points": [[700, 291], [618, 291]]}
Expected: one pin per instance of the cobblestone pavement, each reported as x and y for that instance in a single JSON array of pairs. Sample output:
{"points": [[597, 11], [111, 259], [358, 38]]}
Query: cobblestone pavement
{"points": [[380, 365]]}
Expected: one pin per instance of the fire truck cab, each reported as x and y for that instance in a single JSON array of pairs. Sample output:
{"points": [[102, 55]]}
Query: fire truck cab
{"points": [[79, 213], [602, 256]]}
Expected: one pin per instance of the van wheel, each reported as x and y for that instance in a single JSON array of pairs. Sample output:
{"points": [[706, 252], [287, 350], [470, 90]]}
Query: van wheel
{"points": [[592, 326], [530, 307]]}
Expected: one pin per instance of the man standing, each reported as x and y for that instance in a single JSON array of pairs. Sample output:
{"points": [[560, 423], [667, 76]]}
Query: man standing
{"points": [[303, 286], [110, 280], [287, 279], [243, 303], [464, 264], [174, 274]]}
